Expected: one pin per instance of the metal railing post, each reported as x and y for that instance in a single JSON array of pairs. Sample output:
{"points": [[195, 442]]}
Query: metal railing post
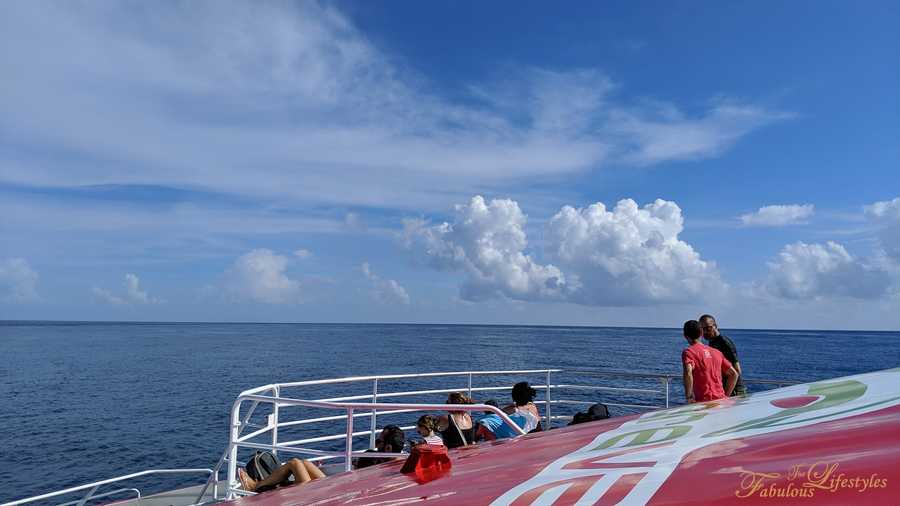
{"points": [[88, 496], [348, 455], [233, 449], [373, 425], [277, 391], [470, 386], [549, 419]]}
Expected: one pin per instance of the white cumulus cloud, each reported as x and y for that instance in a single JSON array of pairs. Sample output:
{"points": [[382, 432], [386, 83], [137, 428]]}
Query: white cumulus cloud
{"points": [[18, 281], [260, 276], [814, 271], [626, 256], [779, 215], [886, 214], [387, 291], [630, 255], [133, 293], [486, 242]]}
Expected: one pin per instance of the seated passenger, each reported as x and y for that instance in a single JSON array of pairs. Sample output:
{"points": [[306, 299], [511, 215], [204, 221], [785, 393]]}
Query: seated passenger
{"points": [[523, 397], [302, 471], [426, 427], [456, 428], [391, 440], [491, 426]]}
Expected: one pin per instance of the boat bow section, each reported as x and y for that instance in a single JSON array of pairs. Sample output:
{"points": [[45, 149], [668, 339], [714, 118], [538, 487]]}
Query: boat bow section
{"points": [[831, 442]]}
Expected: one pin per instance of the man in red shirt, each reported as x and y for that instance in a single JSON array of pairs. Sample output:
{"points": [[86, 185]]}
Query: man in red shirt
{"points": [[704, 368]]}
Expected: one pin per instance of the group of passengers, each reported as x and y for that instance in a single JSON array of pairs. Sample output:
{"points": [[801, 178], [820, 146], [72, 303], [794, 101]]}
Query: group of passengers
{"points": [[710, 372], [458, 428], [455, 429]]}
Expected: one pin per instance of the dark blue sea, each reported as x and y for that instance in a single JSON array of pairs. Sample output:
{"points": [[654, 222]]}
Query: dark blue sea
{"points": [[81, 402]]}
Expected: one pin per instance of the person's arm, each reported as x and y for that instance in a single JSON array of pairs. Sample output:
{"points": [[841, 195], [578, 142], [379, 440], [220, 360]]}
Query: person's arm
{"points": [[688, 378], [734, 357], [484, 433], [731, 377], [443, 423]]}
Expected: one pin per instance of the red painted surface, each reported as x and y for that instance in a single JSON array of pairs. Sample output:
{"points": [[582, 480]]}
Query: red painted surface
{"points": [[795, 402], [862, 450], [480, 473], [861, 446]]}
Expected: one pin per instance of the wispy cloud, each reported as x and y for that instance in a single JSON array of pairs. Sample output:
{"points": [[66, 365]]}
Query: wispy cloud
{"points": [[290, 100], [779, 215], [662, 132], [387, 291], [133, 293], [18, 281]]}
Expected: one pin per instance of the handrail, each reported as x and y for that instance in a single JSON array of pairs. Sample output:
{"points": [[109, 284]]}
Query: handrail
{"points": [[96, 484], [105, 494], [238, 441], [272, 394], [353, 379], [374, 409]]}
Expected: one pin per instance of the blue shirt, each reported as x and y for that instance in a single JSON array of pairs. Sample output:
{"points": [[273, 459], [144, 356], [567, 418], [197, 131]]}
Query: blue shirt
{"points": [[501, 430]]}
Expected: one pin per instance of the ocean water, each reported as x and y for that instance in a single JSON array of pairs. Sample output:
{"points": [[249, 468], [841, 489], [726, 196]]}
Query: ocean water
{"points": [[81, 402]]}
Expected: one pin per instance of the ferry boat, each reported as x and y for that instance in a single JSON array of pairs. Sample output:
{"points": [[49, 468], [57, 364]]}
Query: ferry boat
{"points": [[833, 442]]}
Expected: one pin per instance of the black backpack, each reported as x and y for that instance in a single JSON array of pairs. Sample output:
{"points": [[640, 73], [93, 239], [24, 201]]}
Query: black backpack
{"points": [[596, 412], [260, 466]]}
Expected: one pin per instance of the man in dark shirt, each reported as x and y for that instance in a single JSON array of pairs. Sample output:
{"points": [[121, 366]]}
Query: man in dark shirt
{"points": [[724, 345]]}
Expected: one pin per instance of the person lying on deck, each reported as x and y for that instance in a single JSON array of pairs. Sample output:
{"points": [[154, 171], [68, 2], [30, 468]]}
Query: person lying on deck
{"points": [[302, 471]]}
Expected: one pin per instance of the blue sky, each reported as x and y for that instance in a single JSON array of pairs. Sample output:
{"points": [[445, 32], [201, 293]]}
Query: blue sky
{"points": [[614, 163]]}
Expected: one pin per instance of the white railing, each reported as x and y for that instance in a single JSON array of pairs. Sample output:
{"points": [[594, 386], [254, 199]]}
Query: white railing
{"points": [[575, 391], [93, 487], [354, 409]]}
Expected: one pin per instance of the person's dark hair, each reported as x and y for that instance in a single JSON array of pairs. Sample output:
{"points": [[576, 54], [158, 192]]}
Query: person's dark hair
{"points": [[692, 330], [522, 393], [428, 421], [459, 398], [491, 402], [706, 317], [394, 436]]}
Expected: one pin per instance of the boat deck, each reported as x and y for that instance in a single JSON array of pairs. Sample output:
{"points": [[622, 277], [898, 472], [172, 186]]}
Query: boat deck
{"points": [[187, 495]]}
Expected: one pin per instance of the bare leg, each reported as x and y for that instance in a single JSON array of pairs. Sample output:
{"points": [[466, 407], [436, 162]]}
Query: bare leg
{"points": [[298, 469], [293, 467], [314, 472]]}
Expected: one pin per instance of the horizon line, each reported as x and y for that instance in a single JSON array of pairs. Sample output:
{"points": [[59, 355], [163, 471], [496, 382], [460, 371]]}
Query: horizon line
{"points": [[548, 325]]}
